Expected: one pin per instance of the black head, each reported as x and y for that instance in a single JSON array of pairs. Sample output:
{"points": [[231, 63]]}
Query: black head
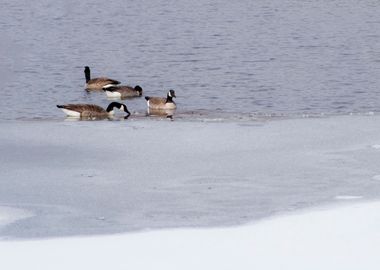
{"points": [[118, 105], [87, 73], [171, 93], [138, 89]]}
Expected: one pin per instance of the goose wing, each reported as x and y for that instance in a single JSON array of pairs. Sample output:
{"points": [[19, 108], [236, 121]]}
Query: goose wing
{"points": [[83, 108], [121, 89], [156, 101], [103, 80]]}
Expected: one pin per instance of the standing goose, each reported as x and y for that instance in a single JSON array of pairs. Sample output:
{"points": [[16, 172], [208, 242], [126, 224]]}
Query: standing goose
{"points": [[159, 103], [97, 83], [91, 110], [122, 91]]}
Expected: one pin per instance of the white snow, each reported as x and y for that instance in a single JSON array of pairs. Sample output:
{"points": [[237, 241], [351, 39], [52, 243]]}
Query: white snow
{"points": [[348, 197], [345, 237], [104, 177], [376, 146], [12, 214], [193, 192]]}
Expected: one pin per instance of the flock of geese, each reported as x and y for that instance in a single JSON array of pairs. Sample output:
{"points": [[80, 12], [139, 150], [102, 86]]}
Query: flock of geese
{"points": [[113, 89]]}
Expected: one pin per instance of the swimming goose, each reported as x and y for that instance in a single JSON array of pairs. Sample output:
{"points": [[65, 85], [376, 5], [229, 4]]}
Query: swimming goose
{"points": [[97, 83], [123, 91], [91, 110], [168, 113], [162, 103]]}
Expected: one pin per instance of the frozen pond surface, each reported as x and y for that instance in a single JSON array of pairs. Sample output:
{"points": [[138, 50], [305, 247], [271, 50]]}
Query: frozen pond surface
{"points": [[239, 63], [117, 176], [345, 237]]}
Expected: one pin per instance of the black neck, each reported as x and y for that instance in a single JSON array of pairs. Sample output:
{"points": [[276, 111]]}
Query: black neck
{"points": [[87, 74], [112, 106], [117, 105], [169, 99]]}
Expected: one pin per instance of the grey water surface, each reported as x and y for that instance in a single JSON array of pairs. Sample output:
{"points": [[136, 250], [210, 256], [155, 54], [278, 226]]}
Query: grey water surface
{"points": [[291, 57]]}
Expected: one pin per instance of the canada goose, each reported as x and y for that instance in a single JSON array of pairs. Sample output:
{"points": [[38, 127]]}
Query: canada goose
{"points": [[162, 103], [97, 83], [168, 113], [123, 91], [91, 110]]}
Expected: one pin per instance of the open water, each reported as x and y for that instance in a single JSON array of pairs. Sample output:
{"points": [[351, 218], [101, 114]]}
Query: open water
{"points": [[275, 58]]}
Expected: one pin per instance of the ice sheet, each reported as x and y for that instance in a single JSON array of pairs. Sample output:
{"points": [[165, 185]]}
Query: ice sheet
{"points": [[110, 177], [338, 238], [9, 215]]}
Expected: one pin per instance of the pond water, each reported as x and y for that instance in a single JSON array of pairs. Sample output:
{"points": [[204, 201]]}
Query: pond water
{"points": [[286, 58]]}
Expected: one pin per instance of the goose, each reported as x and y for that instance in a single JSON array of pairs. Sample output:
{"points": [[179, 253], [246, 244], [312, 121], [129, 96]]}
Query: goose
{"points": [[97, 83], [91, 110], [159, 103], [168, 113], [123, 91]]}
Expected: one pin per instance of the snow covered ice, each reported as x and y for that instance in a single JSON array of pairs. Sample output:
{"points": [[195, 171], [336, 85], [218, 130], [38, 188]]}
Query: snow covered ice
{"points": [[338, 238], [190, 189], [112, 177]]}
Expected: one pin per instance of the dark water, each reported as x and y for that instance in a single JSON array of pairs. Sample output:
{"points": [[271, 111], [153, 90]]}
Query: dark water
{"points": [[266, 57]]}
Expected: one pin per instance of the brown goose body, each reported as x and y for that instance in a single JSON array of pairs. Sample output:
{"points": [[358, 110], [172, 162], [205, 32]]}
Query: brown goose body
{"points": [[123, 91], [97, 83], [159, 103], [91, 110], [161, 112]]}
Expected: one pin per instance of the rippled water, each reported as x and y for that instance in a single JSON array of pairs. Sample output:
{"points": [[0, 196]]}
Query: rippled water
{"points": [[267, 57]]}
